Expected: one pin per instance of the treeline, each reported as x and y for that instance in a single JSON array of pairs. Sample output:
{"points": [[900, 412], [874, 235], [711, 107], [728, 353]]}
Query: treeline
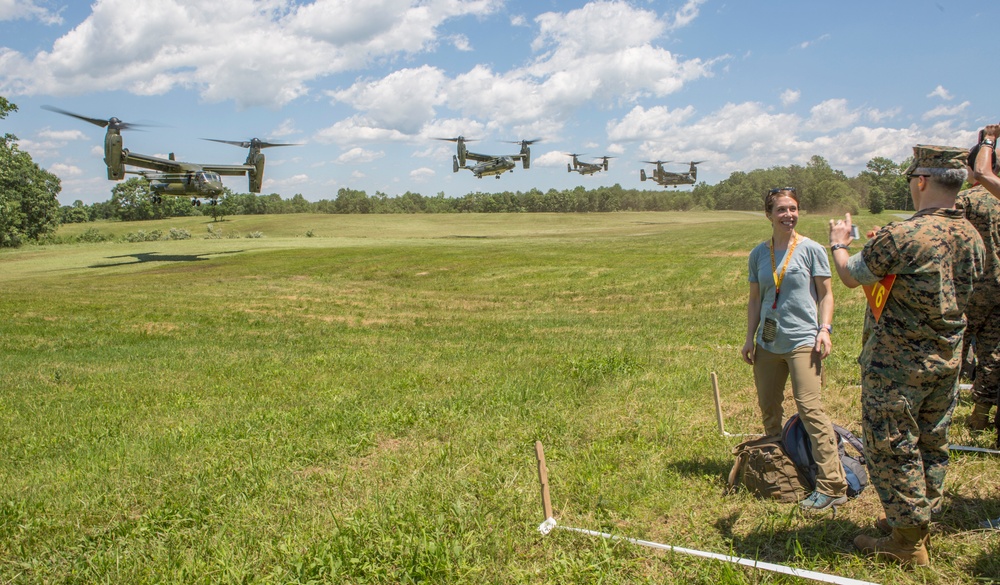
{"points": [[820, 187], [131, 201]]}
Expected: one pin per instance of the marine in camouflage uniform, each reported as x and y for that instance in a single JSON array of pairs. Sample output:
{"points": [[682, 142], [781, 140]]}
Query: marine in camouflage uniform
{"points": [[911, 355], [983, 312]]}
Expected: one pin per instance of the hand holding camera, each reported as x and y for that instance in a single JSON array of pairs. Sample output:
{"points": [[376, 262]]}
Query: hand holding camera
{"points": [[842, 232]]}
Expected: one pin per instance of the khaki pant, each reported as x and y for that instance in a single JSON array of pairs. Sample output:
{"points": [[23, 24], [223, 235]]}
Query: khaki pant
{"points": [[771, 372]]}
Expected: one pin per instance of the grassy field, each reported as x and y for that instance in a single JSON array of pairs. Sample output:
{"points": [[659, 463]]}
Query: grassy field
{"points": [[360, 406]]}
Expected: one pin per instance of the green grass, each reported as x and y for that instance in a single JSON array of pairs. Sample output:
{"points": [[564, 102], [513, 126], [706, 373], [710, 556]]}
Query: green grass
{"points": [[361, 406]]}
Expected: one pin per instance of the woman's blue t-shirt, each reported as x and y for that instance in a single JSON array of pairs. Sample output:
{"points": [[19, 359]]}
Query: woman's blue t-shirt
{"points": [[797, 310]]}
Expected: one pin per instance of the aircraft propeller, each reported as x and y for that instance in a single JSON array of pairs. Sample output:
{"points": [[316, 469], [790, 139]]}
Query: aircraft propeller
{"points": [[111, 123], [253, 142], [457, 139], [524, 143]]}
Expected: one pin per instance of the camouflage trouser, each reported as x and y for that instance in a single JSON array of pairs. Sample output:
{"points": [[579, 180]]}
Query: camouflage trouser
{"points": [[906, 443], [983, 314]]}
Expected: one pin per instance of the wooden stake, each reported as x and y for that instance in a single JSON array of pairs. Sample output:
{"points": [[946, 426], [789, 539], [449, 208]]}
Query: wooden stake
{"points": [[543, 478], [718, 403]]}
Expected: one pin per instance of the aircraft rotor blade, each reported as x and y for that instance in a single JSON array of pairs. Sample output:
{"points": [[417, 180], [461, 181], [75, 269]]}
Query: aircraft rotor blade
{"points": [[524, 142], [656, 162], [113, 123], [252, 142], [456, 139]]}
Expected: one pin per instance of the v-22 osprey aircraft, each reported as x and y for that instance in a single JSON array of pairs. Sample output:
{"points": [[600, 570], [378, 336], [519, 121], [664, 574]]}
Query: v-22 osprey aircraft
{"points": [[669, 179], [171, 177], [489, 164], [586, 168]]}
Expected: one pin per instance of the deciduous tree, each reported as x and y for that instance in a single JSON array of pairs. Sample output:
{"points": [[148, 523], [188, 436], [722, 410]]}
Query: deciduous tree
{"points": [[29, 208]]}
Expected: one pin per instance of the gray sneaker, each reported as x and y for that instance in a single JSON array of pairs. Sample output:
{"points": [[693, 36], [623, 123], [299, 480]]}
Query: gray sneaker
{"points": [[818, 502]]}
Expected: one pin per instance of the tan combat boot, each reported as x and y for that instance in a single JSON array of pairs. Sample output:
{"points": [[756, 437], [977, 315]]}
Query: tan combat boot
{"points": [[979, 420], [882, 523], [905, 545]]}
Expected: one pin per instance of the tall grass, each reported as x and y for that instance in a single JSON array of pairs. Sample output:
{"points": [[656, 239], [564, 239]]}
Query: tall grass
{"points": [[360, 406]]}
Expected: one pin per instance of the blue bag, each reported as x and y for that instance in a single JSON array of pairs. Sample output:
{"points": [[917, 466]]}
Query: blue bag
{"points": [[795, 441]]}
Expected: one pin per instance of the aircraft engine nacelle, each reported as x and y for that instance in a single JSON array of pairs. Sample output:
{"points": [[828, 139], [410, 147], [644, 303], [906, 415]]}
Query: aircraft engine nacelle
{"points": [[605, 164], [113, 156], [642, 175], [461, 153], [256, 176], [526, 160], [454, 164], [569, 169]]}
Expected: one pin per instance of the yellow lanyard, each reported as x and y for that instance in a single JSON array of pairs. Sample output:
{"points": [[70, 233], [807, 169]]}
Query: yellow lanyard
{"points": [[779, 278]]}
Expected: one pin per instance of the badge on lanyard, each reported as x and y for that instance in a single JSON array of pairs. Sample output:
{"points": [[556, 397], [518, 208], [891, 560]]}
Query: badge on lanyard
{"points": [[770, 331]]}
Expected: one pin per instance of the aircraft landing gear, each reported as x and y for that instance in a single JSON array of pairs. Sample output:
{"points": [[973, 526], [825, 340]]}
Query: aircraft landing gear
{"points": [[195, 202], [156, 199]]}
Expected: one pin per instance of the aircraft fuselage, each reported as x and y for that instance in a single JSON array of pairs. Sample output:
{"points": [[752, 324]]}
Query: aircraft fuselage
{"points": [[495, 166], [190, 184]]}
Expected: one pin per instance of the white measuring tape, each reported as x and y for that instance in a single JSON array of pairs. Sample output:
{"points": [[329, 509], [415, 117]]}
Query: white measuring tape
{"points": [[550, 524]]}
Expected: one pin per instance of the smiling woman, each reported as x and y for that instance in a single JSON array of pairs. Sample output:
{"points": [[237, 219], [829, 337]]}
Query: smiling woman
{"points": [[790, 288]]}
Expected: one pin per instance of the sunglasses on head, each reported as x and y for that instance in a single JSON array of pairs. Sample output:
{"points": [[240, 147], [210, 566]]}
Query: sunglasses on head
{"points": [[780, 189]]}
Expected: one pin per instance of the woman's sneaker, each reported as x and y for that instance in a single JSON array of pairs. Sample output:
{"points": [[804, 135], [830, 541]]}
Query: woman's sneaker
{"points": [[818, 502]]}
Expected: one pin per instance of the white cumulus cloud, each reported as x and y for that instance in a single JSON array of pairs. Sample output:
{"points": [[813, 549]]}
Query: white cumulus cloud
{"points": [[64, 170], [790, 96], [28, 9], [945, 111], [358, 155], [940, 92], [422, 174], [254, 52]]}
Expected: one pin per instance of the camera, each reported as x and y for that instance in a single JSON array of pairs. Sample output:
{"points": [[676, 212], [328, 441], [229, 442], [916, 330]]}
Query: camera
{"points": [[855, 234]]}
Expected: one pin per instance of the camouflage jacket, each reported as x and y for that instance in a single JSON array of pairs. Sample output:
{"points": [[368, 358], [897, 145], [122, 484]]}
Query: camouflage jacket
{"points": [[982, 210], [936, 256]]}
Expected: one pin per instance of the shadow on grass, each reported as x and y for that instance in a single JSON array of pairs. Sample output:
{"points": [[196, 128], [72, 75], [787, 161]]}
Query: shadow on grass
{"points": [[826, 537], [962, 513], [141, 258], [986, 567], [702, 467]]}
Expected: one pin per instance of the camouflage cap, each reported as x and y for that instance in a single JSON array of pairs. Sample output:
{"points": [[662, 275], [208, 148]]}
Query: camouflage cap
{"points": [[928, 156]]}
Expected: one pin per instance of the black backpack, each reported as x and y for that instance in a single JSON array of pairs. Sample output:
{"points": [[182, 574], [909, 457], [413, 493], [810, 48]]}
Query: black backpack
{"points": [[795, 441]]}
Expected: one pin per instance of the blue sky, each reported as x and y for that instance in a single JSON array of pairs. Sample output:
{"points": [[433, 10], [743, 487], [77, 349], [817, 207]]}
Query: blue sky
{"points": [[365, 86]]}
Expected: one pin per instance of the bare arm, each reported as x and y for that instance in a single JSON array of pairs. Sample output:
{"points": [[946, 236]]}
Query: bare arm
{"points": [[983, 169], [840, 234], [824, 292], [753, 321]]}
